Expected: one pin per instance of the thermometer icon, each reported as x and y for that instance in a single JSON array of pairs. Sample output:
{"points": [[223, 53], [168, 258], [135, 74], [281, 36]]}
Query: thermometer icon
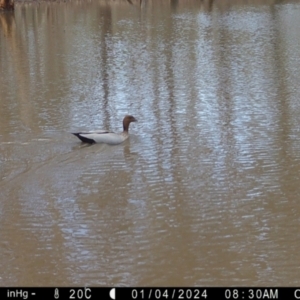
{"points": [[56, 295]]}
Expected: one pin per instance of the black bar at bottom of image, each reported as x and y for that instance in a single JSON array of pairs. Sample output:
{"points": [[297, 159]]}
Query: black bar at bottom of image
{"points": [[155, 293]]}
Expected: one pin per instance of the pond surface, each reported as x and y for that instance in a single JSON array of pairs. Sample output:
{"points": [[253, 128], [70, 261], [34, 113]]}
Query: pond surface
{"points": [[206, 191]]}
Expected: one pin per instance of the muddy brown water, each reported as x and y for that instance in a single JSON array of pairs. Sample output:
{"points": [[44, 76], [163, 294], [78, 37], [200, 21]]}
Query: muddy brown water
{"points": [[207, 189]]}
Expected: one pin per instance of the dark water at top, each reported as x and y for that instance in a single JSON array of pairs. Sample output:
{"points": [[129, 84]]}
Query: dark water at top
{"points": [[206, 190]]}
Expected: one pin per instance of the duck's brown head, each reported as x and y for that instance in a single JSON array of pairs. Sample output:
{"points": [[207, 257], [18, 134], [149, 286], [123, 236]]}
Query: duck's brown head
{"points": [[127, 120]]}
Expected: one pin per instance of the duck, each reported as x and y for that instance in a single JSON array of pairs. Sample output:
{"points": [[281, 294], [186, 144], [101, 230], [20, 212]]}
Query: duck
{"points": [[106, 137]]}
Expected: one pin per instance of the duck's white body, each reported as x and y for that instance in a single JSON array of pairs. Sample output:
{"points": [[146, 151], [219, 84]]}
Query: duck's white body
{"points": [[102, 136]]}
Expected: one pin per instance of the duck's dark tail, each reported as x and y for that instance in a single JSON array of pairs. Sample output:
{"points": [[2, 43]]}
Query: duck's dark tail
{"points": [[84, 139]]}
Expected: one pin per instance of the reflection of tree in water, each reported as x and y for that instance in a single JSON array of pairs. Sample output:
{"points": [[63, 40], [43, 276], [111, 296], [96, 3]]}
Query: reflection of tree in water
{"points": [[7, 4], [205, 4], [106, 29], [7, 23]]}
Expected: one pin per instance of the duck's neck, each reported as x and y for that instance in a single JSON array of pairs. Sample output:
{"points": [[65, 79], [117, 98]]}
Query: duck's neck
{"points": [[125, 126]]}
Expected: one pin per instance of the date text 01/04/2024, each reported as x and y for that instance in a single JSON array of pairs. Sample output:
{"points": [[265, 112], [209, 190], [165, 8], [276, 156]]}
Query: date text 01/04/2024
{"points": [[168, 293]]}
